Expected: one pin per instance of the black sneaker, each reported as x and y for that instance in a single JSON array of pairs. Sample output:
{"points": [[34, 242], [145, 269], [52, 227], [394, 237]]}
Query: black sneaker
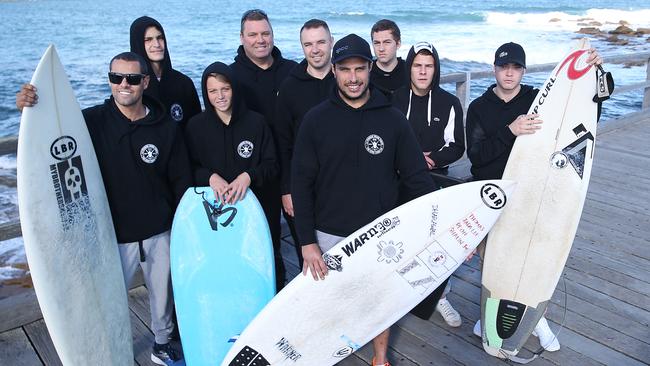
{"points": [[165, 355]]}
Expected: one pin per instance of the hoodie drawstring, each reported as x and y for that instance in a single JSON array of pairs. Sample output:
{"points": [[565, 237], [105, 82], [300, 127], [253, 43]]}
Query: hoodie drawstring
{"points": [[408, 111]]}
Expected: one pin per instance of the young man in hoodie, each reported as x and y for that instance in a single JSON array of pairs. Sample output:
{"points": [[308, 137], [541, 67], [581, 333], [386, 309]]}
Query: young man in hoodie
{"points": [[307, 85], [389, 72], [494, 120], [175, 90], [353, 154], [436, 117], [230, 147], [145, 168], [260, 70]]}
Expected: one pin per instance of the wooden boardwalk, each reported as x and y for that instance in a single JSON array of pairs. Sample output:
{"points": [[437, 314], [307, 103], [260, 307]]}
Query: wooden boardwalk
{"points": [[602, 300]]}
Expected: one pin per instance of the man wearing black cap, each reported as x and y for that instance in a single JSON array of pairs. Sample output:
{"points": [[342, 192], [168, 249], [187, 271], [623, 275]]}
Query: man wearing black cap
{"points": [[346, 160]]}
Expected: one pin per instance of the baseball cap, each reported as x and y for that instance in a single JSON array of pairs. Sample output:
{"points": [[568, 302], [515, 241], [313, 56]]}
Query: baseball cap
{"points": [[510, 53], [351, 46]]}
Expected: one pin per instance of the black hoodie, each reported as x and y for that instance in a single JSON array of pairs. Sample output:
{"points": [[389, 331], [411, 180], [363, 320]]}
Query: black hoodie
{"points": [[489, 139], [436, 118], [389, 81], [346, 163], [299, 93], [243, 145], [174, 89], [260, 86], [144, 165]]}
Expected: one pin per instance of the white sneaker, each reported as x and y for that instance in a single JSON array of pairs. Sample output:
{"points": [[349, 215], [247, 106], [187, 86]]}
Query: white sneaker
{"points": [[477, 328], [448, 313], [547, 339]]}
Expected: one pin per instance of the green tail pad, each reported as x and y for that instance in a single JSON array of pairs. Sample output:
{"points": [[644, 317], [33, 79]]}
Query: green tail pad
{"points": [[502, 318]]}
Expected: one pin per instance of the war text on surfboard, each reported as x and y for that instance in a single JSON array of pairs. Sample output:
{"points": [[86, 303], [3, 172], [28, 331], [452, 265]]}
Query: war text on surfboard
{"points": [[378, 229]]}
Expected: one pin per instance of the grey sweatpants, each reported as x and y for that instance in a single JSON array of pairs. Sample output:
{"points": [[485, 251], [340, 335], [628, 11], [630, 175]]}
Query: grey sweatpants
{"points": [[327, 241], [157, 277]]}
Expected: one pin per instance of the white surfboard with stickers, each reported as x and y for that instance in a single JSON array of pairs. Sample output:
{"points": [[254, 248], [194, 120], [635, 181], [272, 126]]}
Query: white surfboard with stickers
{"points": [[376, 275]]}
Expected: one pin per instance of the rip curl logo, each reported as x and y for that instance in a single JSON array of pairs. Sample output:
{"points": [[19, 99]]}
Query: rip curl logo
{"points": [[572, 60], [333, 262], [374, 144], [149, 153], [245, 149], [176, 112], [389, 252]]}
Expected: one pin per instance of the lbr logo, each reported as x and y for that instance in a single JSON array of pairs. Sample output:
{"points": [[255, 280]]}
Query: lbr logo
{"points": [[493, 196], [63, 148]]}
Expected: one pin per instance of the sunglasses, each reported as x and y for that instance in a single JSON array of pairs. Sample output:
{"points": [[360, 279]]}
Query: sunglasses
{"points": [[131, 79]]}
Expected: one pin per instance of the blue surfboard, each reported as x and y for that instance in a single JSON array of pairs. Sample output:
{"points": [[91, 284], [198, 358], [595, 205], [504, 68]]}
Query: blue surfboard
{"points": [[222, 271]]}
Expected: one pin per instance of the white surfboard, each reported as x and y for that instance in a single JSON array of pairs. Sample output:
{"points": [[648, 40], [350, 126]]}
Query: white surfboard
{"points": [[529, 245], [376, 275], [67, 227]]}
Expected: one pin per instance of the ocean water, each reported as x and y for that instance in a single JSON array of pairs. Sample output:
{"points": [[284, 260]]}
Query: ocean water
{"points": [[88, 34]]}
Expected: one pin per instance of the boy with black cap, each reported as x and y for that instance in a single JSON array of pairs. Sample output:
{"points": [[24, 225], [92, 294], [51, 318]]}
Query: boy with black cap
{"points": [[352, 153], [494, 120]]}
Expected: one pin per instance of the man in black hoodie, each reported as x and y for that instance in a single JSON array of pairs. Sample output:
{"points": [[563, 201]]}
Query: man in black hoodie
{"points": [[175, 90], [145, 168], [260, 69], [308, 85], [353, 153], [389, 72]]}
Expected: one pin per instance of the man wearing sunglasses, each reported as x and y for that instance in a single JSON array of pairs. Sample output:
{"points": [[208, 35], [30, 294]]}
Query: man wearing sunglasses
{"points": [[261, 69], [145, 168], [174, 89]]}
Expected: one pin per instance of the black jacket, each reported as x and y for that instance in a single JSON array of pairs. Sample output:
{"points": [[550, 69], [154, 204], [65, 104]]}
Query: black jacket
{"points": [[436, 118], [144, 165], [489, 139], [260, 86], [348, 164], [298, 94], [244, 145], [175, 90], [389, 81]]}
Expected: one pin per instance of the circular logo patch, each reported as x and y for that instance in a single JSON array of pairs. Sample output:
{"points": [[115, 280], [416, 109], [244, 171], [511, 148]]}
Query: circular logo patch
{"points": [[493, 196], [63, 148], [245, 149], [438, 258], [176, 111], [559, 160], [343, 352], [374, 144], [149, 153]]}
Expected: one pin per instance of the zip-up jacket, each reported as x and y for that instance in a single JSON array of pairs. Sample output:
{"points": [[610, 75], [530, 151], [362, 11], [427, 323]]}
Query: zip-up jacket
{"points": [[144, 165], [174, 89], [243, 145], [389, 81], [298, 94], [436, 118], [348, 164]]}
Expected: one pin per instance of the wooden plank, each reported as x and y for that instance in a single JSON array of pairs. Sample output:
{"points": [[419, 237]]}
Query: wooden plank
{"points": [[15, 349], [41, 341], [609, 275], [142, 341], [18, 310], [352, 360], [418, 350], [395, 358], [139, 304], [611, 250], [10, 230], [611, 262]]}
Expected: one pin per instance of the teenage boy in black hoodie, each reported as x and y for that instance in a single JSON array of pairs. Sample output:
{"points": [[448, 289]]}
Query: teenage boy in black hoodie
{"points": [[230, 147], [308, 85], [260, 70], [494, 120], [175, 90], [145, 168], [389, 72], [353, 153], [436, 117]]}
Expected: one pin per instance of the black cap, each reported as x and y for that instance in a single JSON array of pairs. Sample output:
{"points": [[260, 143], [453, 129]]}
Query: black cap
{"points": [[510, 53], [351, 46]]}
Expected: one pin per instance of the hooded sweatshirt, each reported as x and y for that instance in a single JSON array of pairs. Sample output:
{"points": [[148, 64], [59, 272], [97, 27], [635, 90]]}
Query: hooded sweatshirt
{"points": [[389, 81], [348, 164], [144, 165], [243, 145], [298, 94], [260, 86], [436, 118], [175, 90], [489, 139]]}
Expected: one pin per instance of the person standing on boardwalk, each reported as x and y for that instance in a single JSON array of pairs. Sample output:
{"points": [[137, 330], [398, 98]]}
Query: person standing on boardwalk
{"points": [[436, 117], [389, 72], [145, 168], [353, 153], [308, 84], [173, 88], [260, 70]]}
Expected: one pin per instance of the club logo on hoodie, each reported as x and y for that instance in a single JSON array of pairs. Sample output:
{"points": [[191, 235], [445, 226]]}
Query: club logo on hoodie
{"points": [[149, 153], [245, 149], [176, 112], [374, 144]]}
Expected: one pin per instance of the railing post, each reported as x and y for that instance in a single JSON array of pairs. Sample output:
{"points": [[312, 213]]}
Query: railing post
{"points": [[463, 92], [646, 92]]}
